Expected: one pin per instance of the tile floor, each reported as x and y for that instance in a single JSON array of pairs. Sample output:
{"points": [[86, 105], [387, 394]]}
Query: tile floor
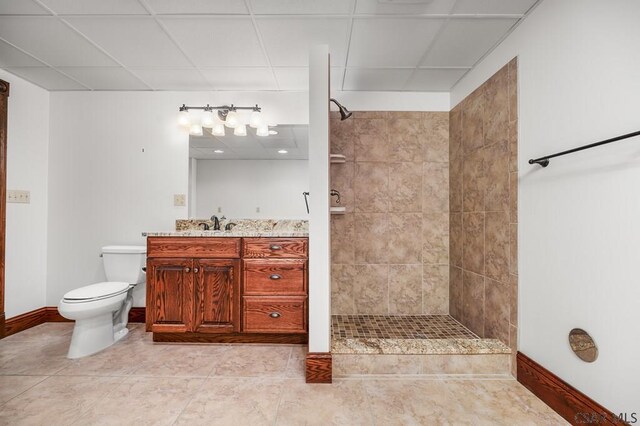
{"points": [[139, 382]]}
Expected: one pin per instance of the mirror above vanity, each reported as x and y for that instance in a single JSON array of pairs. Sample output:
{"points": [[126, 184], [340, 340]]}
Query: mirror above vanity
{"points": [[249, 177]]}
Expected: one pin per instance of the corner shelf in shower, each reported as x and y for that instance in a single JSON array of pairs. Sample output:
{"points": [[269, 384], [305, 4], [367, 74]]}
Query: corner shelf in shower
{"points": [[338, 210], [337, 158]]}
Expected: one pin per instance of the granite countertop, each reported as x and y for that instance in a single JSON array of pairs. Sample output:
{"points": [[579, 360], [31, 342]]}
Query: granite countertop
{"points": [[243, 228]]}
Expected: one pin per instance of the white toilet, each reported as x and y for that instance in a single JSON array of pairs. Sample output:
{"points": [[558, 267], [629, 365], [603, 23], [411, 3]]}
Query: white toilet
{"points": [[101, 311]]}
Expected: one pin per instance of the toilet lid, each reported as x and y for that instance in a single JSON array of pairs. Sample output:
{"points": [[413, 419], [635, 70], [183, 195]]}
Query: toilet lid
{"points": [[97, 291]]}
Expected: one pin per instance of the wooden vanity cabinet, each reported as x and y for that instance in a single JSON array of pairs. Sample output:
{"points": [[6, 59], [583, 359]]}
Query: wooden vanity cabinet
{"points": [[206, 289]]}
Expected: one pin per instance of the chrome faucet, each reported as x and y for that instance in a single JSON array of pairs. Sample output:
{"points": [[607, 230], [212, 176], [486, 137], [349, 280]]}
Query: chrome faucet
{"points": [[336, 194], [216, 222]]}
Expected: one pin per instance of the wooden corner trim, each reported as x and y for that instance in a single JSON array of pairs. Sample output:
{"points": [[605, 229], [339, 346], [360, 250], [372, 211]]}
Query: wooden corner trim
{"points": [[574, 406], [318, 367], [4, 87]]}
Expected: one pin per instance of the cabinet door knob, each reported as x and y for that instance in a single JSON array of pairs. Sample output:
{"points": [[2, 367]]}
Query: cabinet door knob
{"points": [[275, 277], [196, 270], [275, 247], [187, 269], [274, 315]]}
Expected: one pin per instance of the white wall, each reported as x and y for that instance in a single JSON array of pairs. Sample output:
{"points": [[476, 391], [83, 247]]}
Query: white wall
{"points": [[579, 233], [238, 187], [27, 149]]}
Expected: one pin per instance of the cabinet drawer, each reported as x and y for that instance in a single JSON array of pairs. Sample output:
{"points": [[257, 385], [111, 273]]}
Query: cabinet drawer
{"points": [[275, 247], [202, 248], [275, 314], [275, 276]]}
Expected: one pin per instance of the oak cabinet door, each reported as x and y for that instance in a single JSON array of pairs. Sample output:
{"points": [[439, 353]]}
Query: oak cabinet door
{"points": [[217, 295], [170, 295]]}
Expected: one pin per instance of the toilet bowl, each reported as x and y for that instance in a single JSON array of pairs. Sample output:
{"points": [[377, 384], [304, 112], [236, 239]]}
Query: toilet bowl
{"points": [[101, 310]]}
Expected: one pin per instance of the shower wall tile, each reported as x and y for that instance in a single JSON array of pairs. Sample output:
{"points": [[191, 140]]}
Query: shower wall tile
{"points": [[435, 289], [395, 180], [403, 238], [497, 172], [497, 246], [435, 238], [455, 239], [405, 289], [483, 293], [405, 187], [473, 314], [370, 289], [436, 137], [435, 187], [342, 239], [371, 187], [455, 293], [473, 255], [496, 305]]}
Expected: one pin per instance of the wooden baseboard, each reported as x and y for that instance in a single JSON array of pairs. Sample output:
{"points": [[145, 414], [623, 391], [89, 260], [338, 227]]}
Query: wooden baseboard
{"points": [[25, 321], [230, 338], [50, 314], [2, 325], [318, 367], [564, 399]]}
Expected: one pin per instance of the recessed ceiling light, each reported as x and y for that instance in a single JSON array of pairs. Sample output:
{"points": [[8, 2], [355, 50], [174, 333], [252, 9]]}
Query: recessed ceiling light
{"points": [[282, 151], [273, 132], [218, 151]]}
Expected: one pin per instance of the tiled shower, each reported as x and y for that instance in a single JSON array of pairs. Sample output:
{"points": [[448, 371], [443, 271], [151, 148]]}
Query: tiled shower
{"points": [[428, 240]]}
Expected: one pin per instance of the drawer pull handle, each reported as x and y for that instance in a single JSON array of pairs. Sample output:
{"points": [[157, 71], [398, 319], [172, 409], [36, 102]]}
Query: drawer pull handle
{"points": [[275, 247], [275, 277], [274, 315], [196, 270], [187, 269]]}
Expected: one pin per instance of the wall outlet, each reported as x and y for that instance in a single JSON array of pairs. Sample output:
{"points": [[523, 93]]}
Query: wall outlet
{"points": [[219, 209], [17, 196], [257, 209], [179, 200]]}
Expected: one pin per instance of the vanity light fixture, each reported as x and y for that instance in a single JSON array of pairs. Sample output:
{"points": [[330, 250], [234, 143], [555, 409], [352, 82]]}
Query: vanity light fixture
{"points": [[228, 116]]}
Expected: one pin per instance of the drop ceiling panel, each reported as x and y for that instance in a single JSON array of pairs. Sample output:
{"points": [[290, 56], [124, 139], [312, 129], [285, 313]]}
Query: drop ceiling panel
{"points": [[176, 7], [48, 78], [240, 78], [172, 79], [21, 7], [391, 42], [287, 40], [12, 57], [105, 78], [436, 80], [297, 79], [493, 7], [51, 41], [95, 7], [301, 7], [217, 42], [464, 41], [435, 7], [376, 79], [116, 35]]}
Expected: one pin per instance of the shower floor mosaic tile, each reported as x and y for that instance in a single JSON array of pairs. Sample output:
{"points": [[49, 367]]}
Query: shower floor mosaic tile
{"points": [[399, 327]]}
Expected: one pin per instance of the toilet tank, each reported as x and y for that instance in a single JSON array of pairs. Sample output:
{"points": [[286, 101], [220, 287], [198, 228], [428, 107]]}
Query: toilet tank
{"points": [[125, 263]]}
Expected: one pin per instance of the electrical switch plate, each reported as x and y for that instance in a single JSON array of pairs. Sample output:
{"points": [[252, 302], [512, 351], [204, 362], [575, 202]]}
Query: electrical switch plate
{"points": [[17, 196], [179, 200]]}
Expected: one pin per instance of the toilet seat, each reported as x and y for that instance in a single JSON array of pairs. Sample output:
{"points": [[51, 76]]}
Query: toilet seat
{"points": [[98, 291]]}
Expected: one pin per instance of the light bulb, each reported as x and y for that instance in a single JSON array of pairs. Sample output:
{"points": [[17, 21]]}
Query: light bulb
{"points": [[184, 119], [195, 130], [262, 131], [232, 119], [218, 129], [208, 119], [256, 119], [240, 130]]}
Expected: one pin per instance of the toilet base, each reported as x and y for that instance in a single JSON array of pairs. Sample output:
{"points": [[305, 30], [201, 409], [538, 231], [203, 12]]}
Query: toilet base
{"points": [[91, 335]]}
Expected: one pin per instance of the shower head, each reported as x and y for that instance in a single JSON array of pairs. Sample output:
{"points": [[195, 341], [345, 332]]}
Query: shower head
{"points": [[344, 113]]}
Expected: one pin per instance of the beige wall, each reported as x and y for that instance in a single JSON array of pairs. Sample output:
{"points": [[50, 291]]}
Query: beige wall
{"points": [[483, 201], [390, 252]]}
